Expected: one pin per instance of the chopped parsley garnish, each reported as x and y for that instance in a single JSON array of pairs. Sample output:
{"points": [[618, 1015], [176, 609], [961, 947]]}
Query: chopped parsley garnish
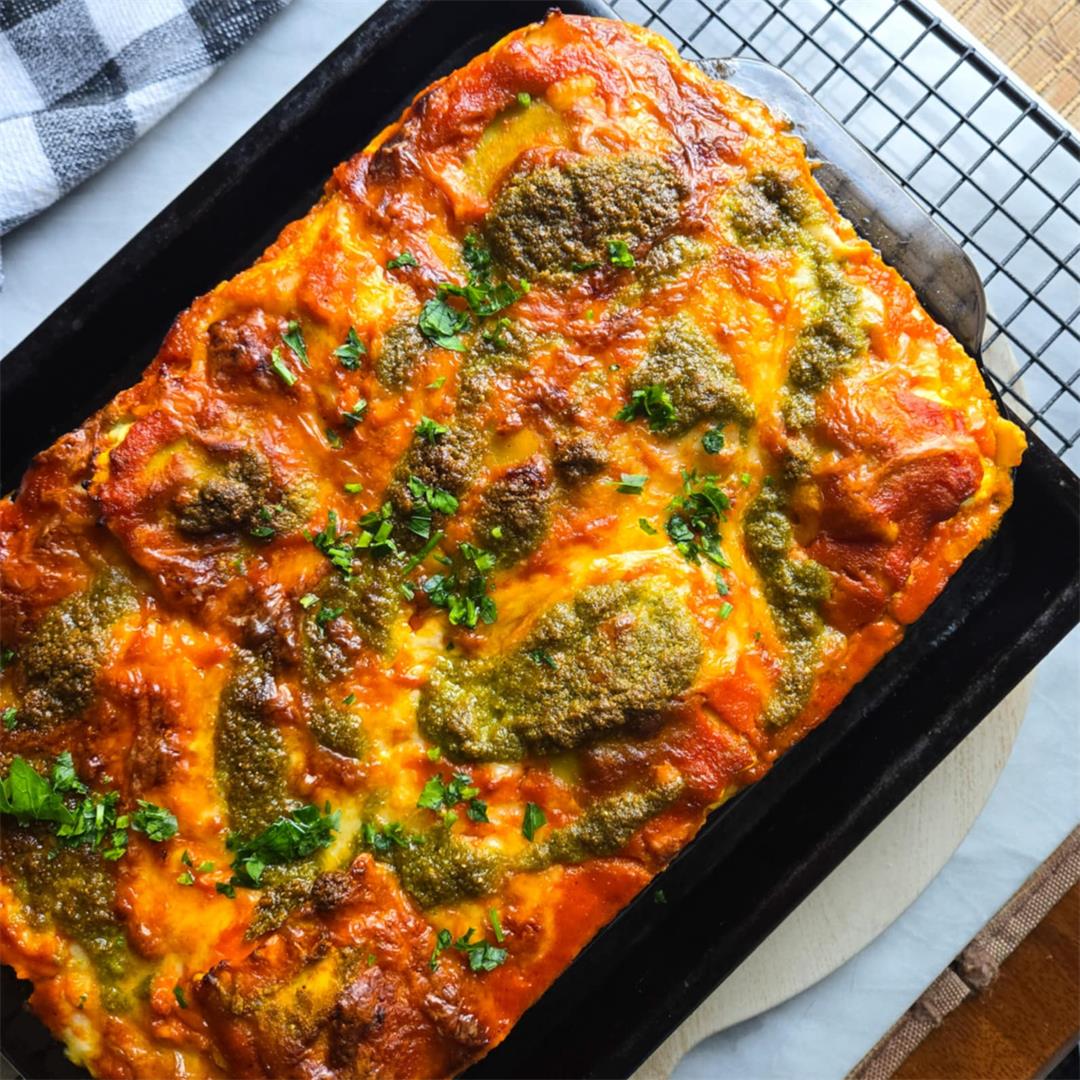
{"points": [[651, 402], [186, 878], [404, 259], [442, 324], [29, 796], [713, 440], [155, 822], [619, 254], [436, 384], [335, 545], [632, 483], [382, 839], [186, 858], [288, 839], [464, 593], [334, 439], [376, 527], [6, 657], [349, 699], [284, 372], [441, 796], [744, 479], [428, 500], [295, 340], [429, 431], [696, 515], [725, 610], [352, 417], [326, 614], [497, 334], [524, 99], [349, 354], [541, 656], [722, 586], [482, 955], [434, 753], [226, 888], [646, 527], [308, 600], [353, 487], [581, 267], [418, 557], [534, 818], [10, 717], [443, 941], [178, 993], [496, 925], [265, 529]]}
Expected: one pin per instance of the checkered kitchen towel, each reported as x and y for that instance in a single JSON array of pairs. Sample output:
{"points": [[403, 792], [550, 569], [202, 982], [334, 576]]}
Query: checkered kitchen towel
{"points": [[80, 80]]}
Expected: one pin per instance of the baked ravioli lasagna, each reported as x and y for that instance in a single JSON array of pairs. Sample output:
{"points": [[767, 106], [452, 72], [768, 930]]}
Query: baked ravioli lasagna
{"points": [[570, 460]]}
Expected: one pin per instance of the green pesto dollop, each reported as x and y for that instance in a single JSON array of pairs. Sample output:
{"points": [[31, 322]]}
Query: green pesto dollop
{"points": [[794, 589], [61, 657], [338, 729], [592, 666], [514, 512], [239, 496], [229, 500], [249, 752], [369, 601], [549, 219], [771, 211], [826, 346], [669, 258], [442, 868], [75, 889], [403, 350], [700, 379], [603, 828], [283, 890]]}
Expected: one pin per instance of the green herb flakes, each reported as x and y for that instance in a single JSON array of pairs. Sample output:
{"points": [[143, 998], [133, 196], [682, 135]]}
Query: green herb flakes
{"points": [[282, 370], [652, 403], [533, 820], [619, 254], [429, 431], [294, 338], [713, 441], [349, 354], [632, 483]]}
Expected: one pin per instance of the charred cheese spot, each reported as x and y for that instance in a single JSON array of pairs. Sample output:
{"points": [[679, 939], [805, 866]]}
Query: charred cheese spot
{"points": [[515, 511]]}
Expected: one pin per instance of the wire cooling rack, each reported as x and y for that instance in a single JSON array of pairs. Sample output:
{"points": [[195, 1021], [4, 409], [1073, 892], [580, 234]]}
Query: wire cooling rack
{"points": [[999, 172]]}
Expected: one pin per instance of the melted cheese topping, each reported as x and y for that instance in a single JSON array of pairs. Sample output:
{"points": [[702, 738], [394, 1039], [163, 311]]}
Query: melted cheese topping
{"points": [[682, 582]]}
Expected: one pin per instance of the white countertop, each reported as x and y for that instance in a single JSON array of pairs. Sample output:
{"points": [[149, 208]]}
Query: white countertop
{"points": [[825, 1030]]}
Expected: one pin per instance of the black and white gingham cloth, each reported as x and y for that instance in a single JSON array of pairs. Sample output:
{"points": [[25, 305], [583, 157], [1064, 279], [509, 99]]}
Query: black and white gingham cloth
{"points": [[80, 80]]}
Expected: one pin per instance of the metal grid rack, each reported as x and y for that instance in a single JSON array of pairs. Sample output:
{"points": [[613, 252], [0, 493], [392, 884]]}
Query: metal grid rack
{"points": [[996, 170]]}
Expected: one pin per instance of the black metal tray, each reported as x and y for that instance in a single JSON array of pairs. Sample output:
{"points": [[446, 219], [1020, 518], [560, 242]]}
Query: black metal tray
{"points": [[762, 853]]}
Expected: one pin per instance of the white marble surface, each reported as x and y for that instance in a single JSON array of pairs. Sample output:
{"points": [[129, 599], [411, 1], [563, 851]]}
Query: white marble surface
{"points": [[826, 1029]]}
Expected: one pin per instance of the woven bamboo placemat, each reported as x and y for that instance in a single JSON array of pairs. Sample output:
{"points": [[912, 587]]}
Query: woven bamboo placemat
{"points": [[1038, 39]]}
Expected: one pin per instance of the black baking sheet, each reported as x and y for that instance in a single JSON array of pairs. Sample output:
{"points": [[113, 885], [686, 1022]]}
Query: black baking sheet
{"points": [[762, 853]]}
